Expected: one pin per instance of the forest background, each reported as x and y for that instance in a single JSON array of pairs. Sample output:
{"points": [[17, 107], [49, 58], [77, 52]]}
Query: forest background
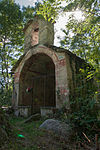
{"points": [[81, 37]]}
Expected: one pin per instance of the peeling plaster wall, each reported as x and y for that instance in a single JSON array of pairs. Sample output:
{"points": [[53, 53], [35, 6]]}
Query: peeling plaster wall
{"points": [[31, 36], [59, 60], [66, 70], [70, 66], [46, 32], [74, 76], [39, 31]]}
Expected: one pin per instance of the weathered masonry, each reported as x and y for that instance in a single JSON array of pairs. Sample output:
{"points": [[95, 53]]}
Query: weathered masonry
{"points": [[49, 72]]}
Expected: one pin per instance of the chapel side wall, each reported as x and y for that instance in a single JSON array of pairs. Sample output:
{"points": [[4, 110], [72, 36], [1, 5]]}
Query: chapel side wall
{"points": [[77, 82], [71, 72]]}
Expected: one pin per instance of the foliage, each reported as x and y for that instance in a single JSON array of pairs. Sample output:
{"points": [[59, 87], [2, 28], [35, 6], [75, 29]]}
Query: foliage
{"points": [[5, 97], [12, 20], [5, 128], [84, 5], [84, 117], [11, 38], [29, 12], [84, 105], [49, 9], [82, 38]]}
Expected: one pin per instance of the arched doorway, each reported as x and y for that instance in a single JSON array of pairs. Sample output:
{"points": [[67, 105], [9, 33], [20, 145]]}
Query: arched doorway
{"points": [[38, 73]]}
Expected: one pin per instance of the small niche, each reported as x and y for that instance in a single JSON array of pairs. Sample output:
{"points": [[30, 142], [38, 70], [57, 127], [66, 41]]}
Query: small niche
{"points": [[35, 37], [36, 30]]}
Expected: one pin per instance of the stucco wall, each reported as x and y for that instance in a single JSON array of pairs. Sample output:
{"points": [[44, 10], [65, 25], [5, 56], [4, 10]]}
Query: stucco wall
{"points": [[59, 60], [39, 31], [76, 79]]}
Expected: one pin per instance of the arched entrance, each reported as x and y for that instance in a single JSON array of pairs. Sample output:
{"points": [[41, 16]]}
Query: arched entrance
{"points": [[38, 73]]}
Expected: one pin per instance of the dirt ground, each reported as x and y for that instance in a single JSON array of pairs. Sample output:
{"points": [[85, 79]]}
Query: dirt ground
{"points": [[28, 136]]}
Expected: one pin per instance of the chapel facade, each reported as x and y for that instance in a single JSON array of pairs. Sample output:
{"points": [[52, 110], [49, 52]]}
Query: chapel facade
{"points": [[45, 75]]}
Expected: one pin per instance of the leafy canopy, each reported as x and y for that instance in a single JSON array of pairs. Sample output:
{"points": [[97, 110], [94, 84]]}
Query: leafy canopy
{"points": [[12, 20], [49, 9]]}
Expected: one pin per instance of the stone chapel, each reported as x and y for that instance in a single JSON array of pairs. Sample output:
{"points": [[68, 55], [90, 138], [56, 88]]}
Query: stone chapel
{"points": [[45, 75]]}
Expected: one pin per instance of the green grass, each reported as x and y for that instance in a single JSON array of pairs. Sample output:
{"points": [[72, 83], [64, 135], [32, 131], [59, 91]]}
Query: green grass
{"points": [[28, 136], [29, 130]]}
